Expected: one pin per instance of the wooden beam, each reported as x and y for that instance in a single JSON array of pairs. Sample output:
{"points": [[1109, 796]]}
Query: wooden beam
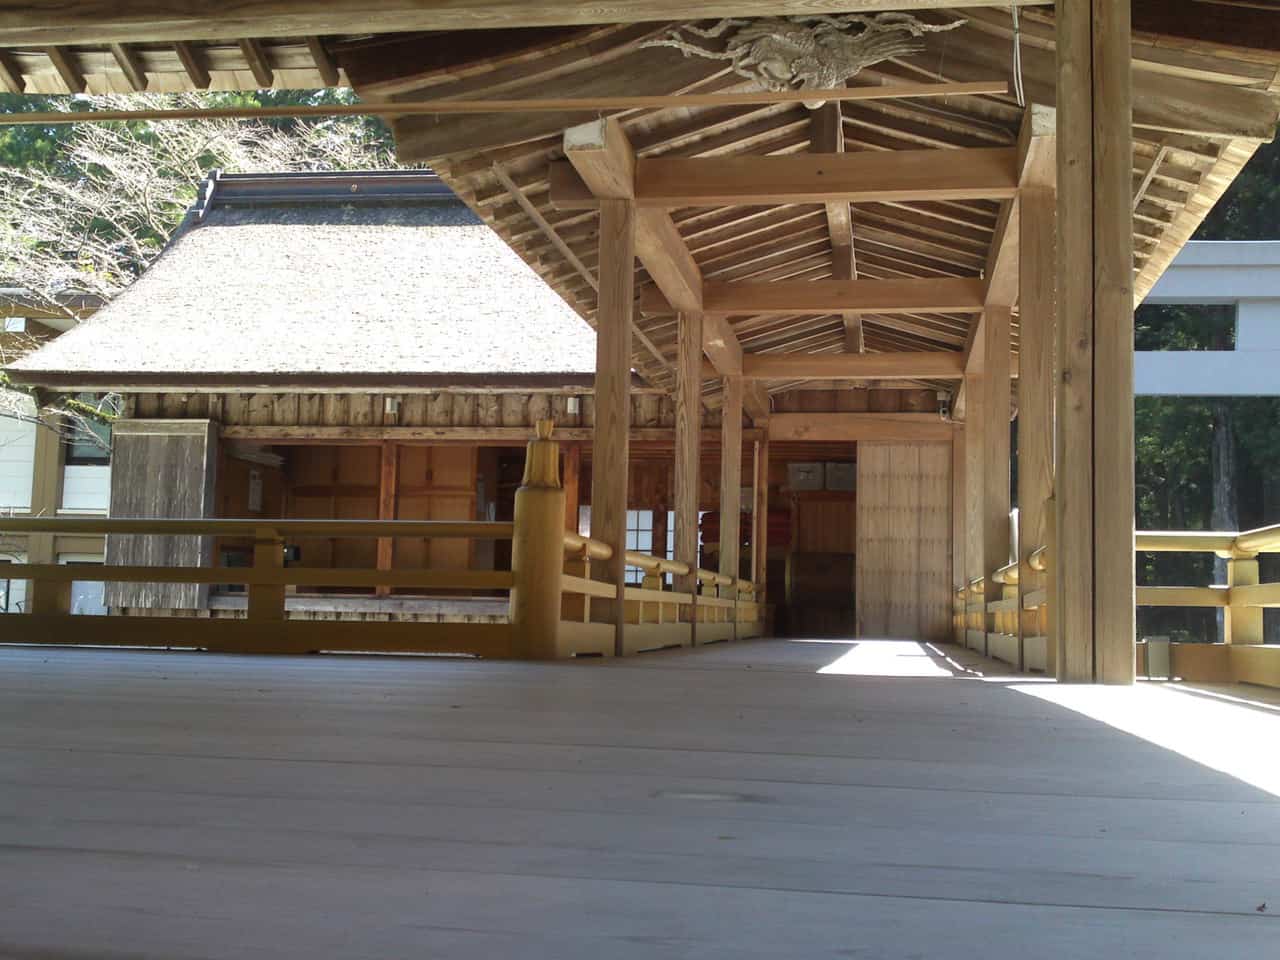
{"points": [[388, 480], [947, 295], [995, 475], [609, 453], [130, 65], [256, 58], [605, 162], [826, 136], [760, 519], [852, 427], [1114, 564], [325, 66], [731, 480], [923, 365], [1093, 569], [1036, 152], [193, 62], [958, 574], [55, 21], [64, 61], [11, 73], [688, 454], [1037, 324], [514, 437], [572, 485], [890, 175]]}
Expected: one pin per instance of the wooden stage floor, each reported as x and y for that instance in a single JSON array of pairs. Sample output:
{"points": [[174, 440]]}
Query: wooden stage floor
{"points": [[727, 802]]}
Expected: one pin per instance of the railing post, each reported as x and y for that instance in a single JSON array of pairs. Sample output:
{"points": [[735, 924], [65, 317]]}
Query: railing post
{"points": [[50, 598], [266, 600], [537, 551], [1240, 623]]}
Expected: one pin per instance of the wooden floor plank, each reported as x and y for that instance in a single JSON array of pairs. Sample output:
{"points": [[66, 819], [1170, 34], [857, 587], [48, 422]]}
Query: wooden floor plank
{"points": [[730, 801]]}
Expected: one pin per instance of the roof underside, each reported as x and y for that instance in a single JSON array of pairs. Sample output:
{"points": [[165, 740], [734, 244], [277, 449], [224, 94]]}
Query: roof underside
{"points": [[1200, 110]]}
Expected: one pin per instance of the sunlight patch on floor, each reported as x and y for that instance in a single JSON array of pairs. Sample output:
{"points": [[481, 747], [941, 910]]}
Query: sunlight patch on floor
{"points": [[886, 658], [1228, 737]]}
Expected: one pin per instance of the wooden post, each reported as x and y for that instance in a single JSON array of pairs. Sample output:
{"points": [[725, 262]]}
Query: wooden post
{"points": [[731, 481], [975, 425], [1242, 624], [1094, 568], [688, 452], [959, 526], [1038, 328], [387, 481], [760, 519], [537, 551], [49, 597], [613, 398], [572, 486], [996, 478], [266, 601]]}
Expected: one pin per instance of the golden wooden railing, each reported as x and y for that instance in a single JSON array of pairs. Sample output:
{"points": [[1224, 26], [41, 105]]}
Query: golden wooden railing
{"points": [[265, 627], [1003, 628], [550, 603], [716, 608]]}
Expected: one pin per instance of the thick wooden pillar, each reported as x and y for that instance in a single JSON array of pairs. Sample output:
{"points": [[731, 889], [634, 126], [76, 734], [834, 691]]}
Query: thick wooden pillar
{"points": [[388, 475], [688, 442], [1094, 567], [613, 397], [572, 485], [959, 526], [996, 477], [974, 550], [1036, 383], [731, 478], [760, 518]]}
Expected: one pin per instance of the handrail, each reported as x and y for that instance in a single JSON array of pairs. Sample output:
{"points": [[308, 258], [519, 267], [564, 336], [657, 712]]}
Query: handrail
{"points": [[1008, 574], [586, 548], [656, 565], [1260, 540], [302, 529], [1184, 541], [1039, 559]]}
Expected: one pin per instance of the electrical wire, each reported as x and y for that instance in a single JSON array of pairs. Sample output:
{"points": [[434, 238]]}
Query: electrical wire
{"points": [[1018, 59]]}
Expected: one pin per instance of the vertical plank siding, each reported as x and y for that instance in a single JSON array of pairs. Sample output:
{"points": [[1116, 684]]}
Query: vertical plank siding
{"points": [[161, 469], [904, 540]]}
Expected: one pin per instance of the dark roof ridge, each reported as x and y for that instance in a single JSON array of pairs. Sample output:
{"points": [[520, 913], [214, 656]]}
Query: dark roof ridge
{"points": [[344, 186]]}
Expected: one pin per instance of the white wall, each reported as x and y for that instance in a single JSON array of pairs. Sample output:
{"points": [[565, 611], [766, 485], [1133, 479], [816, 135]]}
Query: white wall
{"points": [[1246, 274], [17, 459], [86, 488]]}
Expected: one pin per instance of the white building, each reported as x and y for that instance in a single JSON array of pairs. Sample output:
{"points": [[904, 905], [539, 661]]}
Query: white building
{"points": [[1245, 275], [42, 473]]}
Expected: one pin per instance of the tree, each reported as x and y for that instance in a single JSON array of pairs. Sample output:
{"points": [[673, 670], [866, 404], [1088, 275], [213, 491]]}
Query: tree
{"points": [[85, 208]]}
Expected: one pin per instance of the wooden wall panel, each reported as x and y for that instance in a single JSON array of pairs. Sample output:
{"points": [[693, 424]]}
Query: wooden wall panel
{"points": [[162, 468], [825, 525], [436, 483], [904, 540]]}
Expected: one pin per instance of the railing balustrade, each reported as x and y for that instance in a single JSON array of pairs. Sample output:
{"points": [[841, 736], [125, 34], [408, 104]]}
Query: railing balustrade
{"points": [[1015, 628], [550, 591]]}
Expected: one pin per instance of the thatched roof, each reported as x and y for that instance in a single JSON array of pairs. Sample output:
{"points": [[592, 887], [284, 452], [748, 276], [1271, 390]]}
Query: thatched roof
{"points": [[344, 279]]}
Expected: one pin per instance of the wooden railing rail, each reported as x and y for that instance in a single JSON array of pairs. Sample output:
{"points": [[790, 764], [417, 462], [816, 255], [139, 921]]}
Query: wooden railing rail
{"points": [[554, 609], [266, 626], [1003, 628], [292, 529]]}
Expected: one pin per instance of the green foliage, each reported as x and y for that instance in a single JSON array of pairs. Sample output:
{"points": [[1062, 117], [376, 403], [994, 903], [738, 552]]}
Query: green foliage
{"points": [[1162, 326]]}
